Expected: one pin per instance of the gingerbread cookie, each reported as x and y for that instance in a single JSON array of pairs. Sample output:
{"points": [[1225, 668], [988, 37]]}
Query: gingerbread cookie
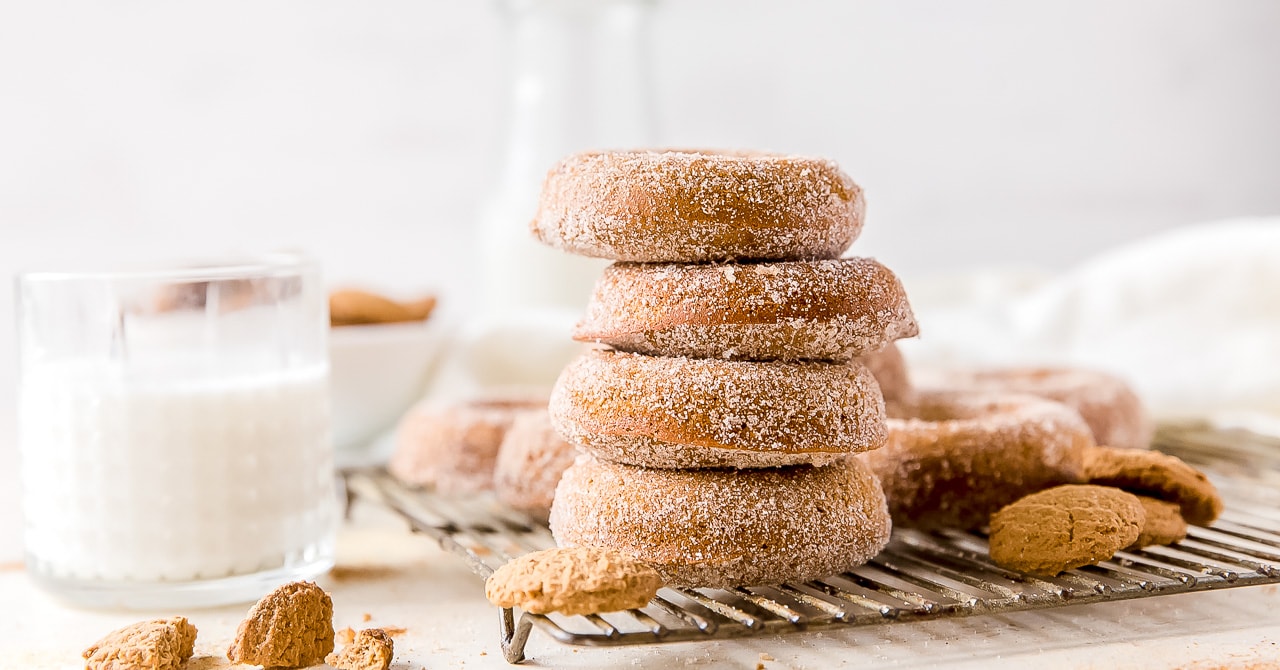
{"points": [[1157, 475], [1164, 524], [350, 307], [291, 627], [158, 644], [372, 649], [1065, 527], [573, 580]]}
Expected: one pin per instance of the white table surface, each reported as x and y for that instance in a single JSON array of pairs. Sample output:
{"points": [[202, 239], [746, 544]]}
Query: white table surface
{"points": [[405, 580]]}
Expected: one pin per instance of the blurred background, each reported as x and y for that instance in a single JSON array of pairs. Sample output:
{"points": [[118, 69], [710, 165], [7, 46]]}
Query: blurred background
{"points": [[372, 136]]}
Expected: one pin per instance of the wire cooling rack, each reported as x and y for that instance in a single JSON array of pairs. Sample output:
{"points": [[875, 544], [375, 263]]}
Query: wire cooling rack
{"points": [[919, 576]]}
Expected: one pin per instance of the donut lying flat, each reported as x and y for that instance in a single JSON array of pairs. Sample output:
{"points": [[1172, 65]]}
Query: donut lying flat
{"points": [[724, 528], [530, 462], [455, 447], [801, 310], [697, 413], [694, 206], [1113, 411], [954, 458]]}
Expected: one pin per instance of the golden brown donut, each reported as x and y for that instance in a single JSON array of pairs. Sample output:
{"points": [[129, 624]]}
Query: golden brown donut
{"points": [[530, 461], [698, 413], [890, 371], [794, 310], [723, 528], [455, 447], [1113, 411], [954, 458], [697, 206]]}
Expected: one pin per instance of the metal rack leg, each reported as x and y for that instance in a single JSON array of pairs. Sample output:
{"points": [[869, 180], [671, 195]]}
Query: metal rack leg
{"points": [[513, 636]]}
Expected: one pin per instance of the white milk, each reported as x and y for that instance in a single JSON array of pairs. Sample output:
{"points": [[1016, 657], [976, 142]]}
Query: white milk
{"points": [[156, 480]]}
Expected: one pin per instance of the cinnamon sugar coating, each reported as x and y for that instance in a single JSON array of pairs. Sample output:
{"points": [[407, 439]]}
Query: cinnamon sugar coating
{"points": [[1113, 411], [698, 206], [794, 310], [530, 462], [954, 458], [724, 528], [455, 447], [689, 413]]}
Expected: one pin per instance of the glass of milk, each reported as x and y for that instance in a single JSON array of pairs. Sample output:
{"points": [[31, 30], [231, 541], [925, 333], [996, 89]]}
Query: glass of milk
{"points": [[174, 431]]}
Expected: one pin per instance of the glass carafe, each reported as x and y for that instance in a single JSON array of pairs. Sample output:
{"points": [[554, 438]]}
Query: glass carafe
{"points": [[578, 79]]}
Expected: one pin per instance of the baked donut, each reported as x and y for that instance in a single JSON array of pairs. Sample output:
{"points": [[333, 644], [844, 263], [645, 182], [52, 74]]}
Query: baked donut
{"points": [[793, 310], [698, 206], [954, 458], [702, 413], [530, 461], [890, 371], [725, 528], [1113, 411], [455, 447]]}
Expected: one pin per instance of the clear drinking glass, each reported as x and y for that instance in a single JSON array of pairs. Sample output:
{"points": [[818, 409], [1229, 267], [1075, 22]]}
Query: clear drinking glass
{"points": [[174, 432]]}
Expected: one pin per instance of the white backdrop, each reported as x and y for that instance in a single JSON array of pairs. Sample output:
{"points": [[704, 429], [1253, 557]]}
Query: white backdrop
{"points": [[989, 131]]}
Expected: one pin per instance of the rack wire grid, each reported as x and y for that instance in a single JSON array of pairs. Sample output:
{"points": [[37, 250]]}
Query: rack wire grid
{"points": [[921, 575]]}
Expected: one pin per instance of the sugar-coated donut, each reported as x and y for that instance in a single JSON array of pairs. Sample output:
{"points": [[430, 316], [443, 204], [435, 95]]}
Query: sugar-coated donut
{"points": [[954, 458], [890, 371], [455, 447], [530, 462], [792, 310], [724, 528], [696, 206], [665, 412], [1113, 411]]}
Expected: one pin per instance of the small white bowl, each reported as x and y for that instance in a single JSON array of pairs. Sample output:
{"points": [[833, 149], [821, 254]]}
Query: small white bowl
{"points": [[376, 372]]}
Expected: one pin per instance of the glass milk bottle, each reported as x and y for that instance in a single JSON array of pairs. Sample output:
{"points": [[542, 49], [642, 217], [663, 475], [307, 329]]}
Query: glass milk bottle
{"points": [[578, 79], [174, 432]]}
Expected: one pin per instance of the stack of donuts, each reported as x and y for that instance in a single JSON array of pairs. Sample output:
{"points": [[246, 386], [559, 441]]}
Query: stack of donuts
{"points": [[717, 421]]}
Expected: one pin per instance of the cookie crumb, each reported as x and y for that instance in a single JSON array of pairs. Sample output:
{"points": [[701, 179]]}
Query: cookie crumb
{"points": [[573, 580], [345, 636], [394, 630], [366, 617], [158, 644], [291, 627], [766, 657], [371, 650]]}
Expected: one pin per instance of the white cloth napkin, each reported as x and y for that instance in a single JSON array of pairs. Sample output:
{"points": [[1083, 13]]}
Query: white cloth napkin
{"points": [[1190, 317]]}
